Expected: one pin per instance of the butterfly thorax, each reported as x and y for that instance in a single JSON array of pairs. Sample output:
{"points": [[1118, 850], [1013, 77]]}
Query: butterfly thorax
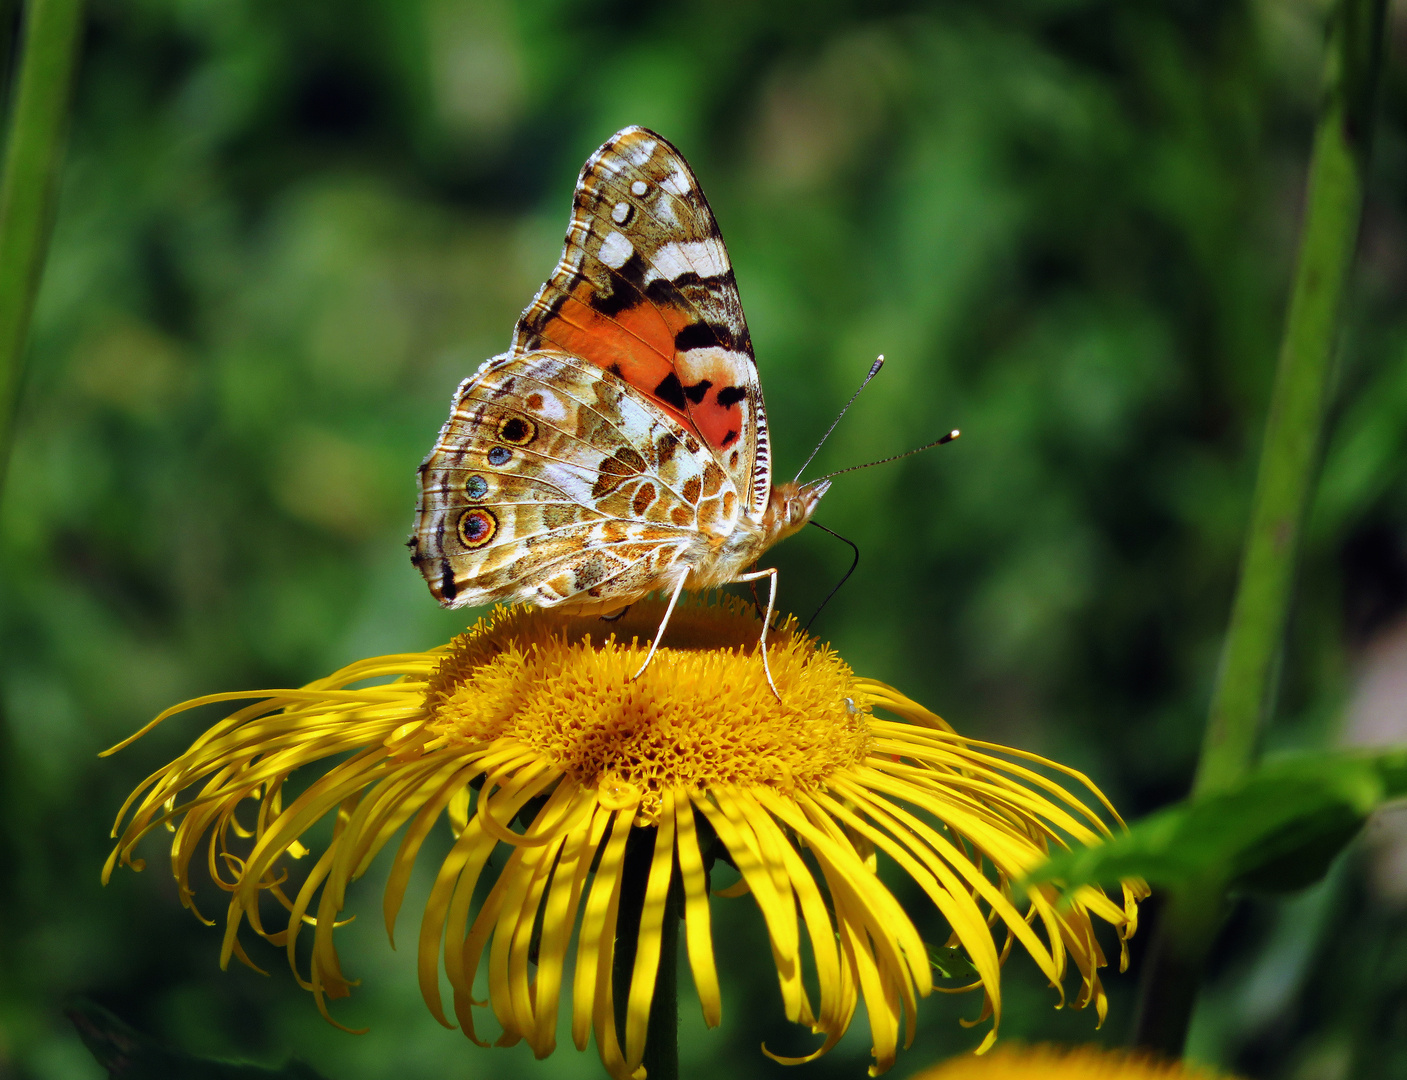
{"points": [[789, 508]]}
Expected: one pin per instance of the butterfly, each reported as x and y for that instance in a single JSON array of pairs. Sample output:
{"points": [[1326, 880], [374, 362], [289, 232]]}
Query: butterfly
{"points": [[620, 445]]}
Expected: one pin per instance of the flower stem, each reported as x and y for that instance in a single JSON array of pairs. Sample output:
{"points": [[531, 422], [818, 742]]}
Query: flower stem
{"points": [[661, 1059], [34, 149], [1246, 680]]}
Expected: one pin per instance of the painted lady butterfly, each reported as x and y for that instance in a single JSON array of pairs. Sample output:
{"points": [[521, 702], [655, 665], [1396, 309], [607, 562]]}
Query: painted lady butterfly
{"points": [[620, 445]]}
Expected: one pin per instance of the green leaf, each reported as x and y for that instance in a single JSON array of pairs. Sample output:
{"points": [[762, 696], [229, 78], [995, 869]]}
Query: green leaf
{"points": [[127, 1054], [950, 963], [1277, 830]]}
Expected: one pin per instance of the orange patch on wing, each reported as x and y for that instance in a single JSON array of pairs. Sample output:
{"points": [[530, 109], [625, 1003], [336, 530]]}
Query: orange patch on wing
{"points": [[638, 341], [720, 425], [712, 480], [638, 344]]}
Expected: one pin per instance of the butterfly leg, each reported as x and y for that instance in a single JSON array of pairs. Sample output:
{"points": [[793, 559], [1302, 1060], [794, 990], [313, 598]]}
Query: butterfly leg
{"points": [[757, 575], [756, 603], [673, 599]]}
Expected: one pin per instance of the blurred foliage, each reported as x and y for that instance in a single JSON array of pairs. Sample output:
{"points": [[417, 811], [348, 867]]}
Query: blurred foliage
{"points": [[287, 230], [127, 1054], [1278, 829]]}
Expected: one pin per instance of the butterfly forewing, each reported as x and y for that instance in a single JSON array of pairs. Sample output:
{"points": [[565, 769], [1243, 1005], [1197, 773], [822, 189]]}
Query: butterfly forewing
{"points": [[645, 290]]}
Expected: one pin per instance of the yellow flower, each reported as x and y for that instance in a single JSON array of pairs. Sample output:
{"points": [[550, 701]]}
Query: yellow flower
{"points": [[529, 732], [1064, 1063]]}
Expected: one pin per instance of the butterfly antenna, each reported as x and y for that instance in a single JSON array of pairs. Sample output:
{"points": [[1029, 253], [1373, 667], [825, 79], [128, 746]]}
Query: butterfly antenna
{"points": [[853, 563], [949, 438], [874, 370]]}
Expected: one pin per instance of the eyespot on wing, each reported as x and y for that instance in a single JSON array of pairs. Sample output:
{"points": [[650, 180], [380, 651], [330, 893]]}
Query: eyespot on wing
{"points": [[476, 527]]}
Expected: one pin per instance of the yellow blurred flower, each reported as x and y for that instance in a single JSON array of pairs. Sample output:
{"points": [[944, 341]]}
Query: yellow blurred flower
{"points": [[1064, 1063], [528, 732]]}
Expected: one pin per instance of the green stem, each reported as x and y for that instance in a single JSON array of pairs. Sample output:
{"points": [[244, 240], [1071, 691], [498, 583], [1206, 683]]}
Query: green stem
{"points": [[1333, 207], [34, 148], [1246, 680], [661, 1059], [1182, 940]]}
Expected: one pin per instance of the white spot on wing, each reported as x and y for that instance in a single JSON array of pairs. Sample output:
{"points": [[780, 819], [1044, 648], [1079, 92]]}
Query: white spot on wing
{"points": [[552, 407], [615, 251], [641, 151], [703, 257], [676, 183], [706, 361], [573, 481], [620, 213], [548, 367], [664, 210], [639, 187]]}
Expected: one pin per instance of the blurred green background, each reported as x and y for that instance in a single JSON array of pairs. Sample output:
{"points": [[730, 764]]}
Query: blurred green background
{"points": [[287, 230]]}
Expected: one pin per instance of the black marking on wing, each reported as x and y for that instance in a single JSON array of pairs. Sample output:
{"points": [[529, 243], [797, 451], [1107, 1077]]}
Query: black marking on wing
{"points": [[671, 392], [695, 279], [613, 297], [704, 335], [731, 395]]}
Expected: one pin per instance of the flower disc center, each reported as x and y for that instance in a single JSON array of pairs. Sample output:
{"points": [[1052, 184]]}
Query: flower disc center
{"points": [[700, 716]]}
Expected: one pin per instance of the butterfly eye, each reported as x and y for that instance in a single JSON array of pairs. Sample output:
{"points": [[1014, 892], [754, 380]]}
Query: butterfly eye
{"points": [[517, 430], [499, 455], [476, 528]]}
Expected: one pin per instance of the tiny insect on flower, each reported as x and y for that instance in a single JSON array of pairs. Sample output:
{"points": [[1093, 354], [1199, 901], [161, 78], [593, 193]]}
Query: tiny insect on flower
{"points": [[528, 734]]}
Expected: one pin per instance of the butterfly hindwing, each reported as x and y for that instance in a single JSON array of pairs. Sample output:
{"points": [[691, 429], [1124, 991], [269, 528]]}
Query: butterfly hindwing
{"points": [[554, 482], [645, 290]]}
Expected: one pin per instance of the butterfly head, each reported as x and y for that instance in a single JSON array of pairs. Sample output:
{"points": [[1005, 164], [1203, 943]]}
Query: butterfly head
{"points": [[791, 507]]}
